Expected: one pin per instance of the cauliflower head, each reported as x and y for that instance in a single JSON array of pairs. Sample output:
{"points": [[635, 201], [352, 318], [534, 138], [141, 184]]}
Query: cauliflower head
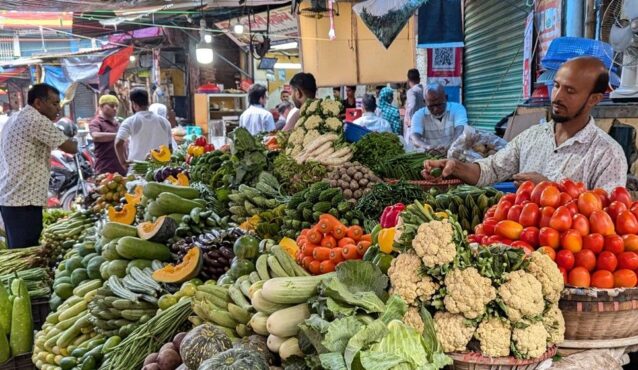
{"points": [[304, 107], [297, 136], [546, 272], [313, 122], [522, 295], [313, 108], [554, 323], [334, 123], [434, 243], [300, 122], [530, 342], [413, 319], [406, 280], [453, 331], [468, 292], [495, 335], [331, 107]]}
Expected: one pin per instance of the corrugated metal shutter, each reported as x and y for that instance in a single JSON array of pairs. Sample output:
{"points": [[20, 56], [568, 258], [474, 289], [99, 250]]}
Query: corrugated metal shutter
{"points": [[493, 59], [84, 102]]}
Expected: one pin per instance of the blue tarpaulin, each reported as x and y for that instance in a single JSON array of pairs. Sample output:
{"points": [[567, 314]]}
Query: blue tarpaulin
{"points": [[55, 77], [440, 24]]}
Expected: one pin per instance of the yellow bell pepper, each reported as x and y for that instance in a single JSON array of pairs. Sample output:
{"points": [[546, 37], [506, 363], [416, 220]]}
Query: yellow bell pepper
{"points": [[198, 151], [386, 239], [441, 215]]}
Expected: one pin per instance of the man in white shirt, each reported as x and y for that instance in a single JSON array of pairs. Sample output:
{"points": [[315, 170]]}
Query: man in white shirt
{"points": [[144, 131], [413, 100], [569, 146], [256, 118], [369, 119], [439, 123]]}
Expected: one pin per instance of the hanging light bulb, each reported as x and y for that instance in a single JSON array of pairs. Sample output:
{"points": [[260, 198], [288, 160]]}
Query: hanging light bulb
{"points": [[208, 38], [132, 58], [238, 29], [203, 50]]}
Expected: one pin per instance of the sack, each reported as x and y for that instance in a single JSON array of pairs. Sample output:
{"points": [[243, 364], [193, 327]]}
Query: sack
{"points": [[474, 144], [386, 18]]}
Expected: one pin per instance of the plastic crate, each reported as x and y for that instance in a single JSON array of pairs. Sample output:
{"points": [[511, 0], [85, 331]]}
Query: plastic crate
{"points": [[40, 310], [22, 362], [505, 187], [354, 132]]}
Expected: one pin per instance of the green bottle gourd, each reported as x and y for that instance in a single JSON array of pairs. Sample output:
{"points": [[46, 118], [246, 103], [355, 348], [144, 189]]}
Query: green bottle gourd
{"points": [[5, 310], [21, 335]]}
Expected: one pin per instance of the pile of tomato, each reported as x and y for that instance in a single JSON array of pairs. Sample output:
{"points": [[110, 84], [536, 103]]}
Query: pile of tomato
{"points": [[592, 235]]}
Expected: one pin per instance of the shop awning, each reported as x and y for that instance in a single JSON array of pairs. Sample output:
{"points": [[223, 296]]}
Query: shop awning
{"points": [[19, 72]]}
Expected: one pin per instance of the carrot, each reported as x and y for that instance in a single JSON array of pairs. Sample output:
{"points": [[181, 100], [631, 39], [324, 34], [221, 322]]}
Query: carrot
{"points": [[329, 241], [314, 267], [330, 218], [326, 267], [321, 253], [345, 241], [315, 236], [305, 262], [354, 232], [335, 255], [339, 231], [325, 225], [366, 237], [362, 247], [349, 252], [308, 248], [304, 232], [302, 242]]}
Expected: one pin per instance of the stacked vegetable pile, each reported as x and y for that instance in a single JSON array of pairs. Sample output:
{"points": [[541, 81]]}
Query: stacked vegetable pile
{"points": [[354, 180], [261, 200], [506, 301], [403, 167], [204, 168], [37, 280], [295, 177], [60, 236], [468, 203], [167, 358], [172, 175], [591, 235], [16, 323], [376, 148], [110, 189]]}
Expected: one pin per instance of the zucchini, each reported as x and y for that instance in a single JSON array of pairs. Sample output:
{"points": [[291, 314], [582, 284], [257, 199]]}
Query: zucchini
{"points": [[275, 267], [135, 248], [292, 290], [290, 348], [171, 203], [284, 323], [153, 189], [274, 342], [21, 333], [215, 290], [86, 287], [114, 230], [262, 305], [258, 323], [239, 314]]}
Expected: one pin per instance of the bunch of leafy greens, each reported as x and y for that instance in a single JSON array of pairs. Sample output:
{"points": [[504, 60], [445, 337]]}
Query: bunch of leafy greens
{"points": [[295, 177], [248, 157], [355, 326], [376, 147]]}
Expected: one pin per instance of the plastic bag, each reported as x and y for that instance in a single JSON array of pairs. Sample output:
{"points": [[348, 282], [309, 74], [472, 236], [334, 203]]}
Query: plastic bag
{"points": [[386, 18], [474, 144]]}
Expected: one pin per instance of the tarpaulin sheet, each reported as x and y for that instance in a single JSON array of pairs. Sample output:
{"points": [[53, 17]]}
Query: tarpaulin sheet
{"points": [[113, 67], [55, 77], [8, 73], [440, 24], [85, 68]]}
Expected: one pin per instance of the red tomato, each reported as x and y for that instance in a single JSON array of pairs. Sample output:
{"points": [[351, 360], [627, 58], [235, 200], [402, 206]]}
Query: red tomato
{"points": [[572, 241], [525, 187], [587, 259], [538, 190], [209, 148], [634, 208], [626, 223], [550, 197], [530, 236], [631, 242], [600, 222], [572, 205], [490, 211], [479, 229], [510, 197], [522, 197], [565, 259], [614, 244], [565, 198], [570, 188], [546, 215], [615, 209], [530, 215], [488, 225], [625, 279], [581, 187], [579, 277], [549, 237], [580, 223], [602, 194], [606, 261], [494, 239], [502, 209], [476, 238], [602, 279], [509, 229], [628, 260], [521, 244], [594, 242], [548, 251], [564, 272], [514, 214], [561, 220], [589, 202]]}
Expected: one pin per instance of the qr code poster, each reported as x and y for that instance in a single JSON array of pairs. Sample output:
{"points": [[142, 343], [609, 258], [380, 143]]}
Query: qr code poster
{"points": [[445, 62]]}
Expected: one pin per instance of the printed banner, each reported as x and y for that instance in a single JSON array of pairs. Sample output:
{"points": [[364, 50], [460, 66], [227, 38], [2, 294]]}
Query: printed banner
{"points": [[548, 24], [445, 66]]}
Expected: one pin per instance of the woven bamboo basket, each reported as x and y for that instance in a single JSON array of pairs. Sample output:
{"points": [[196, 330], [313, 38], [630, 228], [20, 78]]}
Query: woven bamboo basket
{"points": [[597, 314], [475, 361], [442, 184]]}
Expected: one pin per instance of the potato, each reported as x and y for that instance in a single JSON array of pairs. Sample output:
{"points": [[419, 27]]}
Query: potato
{"points": [[167, 346], [354, 185], [153, 366], [150, 359], [347, 193], [169, 360]]}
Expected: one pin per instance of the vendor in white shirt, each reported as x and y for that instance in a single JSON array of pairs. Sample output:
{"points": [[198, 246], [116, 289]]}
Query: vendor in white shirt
{"points": [[256, 119], [369, 119], [439, 123]]}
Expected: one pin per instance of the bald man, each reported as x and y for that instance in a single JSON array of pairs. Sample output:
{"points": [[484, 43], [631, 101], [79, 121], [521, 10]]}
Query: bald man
{"points": [[439, 123], [569, 146]]}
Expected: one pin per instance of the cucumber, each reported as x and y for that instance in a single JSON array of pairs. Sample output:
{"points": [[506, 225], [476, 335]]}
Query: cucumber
{"points": [[153, 189], [135, 248], [87, 286], [115, 230]]}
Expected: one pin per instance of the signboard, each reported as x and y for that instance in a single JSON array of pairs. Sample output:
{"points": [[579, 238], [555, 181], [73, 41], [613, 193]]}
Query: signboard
{"points": [[283, 27], [11, 20], [445, 65], [528, 45], [548, 23]]}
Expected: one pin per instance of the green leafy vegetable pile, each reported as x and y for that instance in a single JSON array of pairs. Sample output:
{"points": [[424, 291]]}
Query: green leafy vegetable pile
{"points": [[375, 148]]}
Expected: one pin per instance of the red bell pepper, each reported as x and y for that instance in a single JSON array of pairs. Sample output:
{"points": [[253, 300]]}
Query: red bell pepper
{"points": [[390, 215]]}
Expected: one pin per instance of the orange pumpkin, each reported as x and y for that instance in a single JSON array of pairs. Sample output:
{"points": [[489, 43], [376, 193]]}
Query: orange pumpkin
{"points": [[135, 198], [184, 271], [125, 216], [163, 155]]}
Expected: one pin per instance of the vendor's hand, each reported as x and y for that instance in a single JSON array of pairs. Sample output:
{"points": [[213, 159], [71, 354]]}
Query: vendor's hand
{"points": [[534, 177], [447, 165]]}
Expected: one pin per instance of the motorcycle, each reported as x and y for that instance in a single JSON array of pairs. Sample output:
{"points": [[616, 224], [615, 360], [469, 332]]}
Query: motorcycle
{"points": [[70, 172]]}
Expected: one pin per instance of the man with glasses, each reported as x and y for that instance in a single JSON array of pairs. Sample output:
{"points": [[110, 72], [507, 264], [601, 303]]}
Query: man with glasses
{"points": [[439, 123], [103, 130], [25, 147], [256, 119]]}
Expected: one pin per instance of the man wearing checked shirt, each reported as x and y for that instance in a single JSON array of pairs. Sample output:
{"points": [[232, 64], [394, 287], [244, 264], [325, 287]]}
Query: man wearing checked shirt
{"points": [[569, 146]]}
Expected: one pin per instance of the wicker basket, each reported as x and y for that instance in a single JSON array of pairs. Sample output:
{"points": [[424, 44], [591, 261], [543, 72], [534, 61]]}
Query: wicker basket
{"points": [[475, 361], [442, 184], [595, 314]]}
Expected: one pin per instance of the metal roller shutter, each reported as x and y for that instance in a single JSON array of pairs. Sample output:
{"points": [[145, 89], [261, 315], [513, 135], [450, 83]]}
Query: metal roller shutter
{"points": [[493, 59], [84, 102]]}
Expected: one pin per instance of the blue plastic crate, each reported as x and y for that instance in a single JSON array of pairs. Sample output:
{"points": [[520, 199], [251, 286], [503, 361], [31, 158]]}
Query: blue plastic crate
{"points": [[354, 132], [193, 130], [505, 187]]}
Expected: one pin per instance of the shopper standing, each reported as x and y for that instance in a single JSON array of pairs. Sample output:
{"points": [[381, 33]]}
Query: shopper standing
{"points": [[304, 87], [388, 111], [256, 119], [414, 101], [25, 148], [103, 130], [369, 119]]}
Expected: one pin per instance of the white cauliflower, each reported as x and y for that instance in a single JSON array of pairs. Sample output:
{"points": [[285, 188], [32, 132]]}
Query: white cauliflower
{"points": [[330, 107], [495, 335], [313, 108], [522, 295], [406, 279], [313, 122], [310, 137], [531, 341], [546, 272], [434, 243], [454, 332], [468, 292], [413, 319], [304, 107], [297, 136], [554, 323], [300, 122], [334, 123]]}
